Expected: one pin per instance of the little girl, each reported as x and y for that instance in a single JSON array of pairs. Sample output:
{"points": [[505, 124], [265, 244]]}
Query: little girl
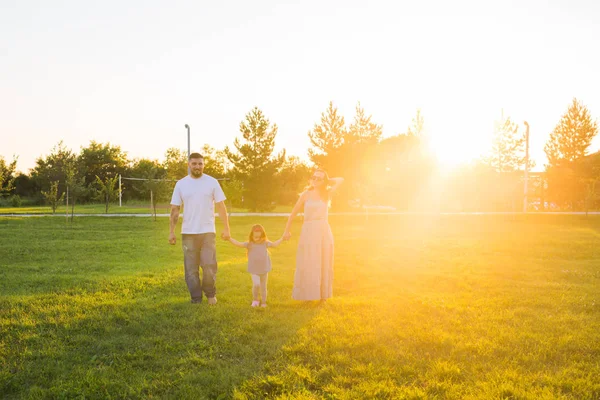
{"points": [[259, 261]]}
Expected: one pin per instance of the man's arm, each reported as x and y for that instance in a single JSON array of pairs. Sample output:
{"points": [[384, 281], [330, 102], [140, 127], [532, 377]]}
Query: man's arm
{"points": [[222, 210], [173, 223]]}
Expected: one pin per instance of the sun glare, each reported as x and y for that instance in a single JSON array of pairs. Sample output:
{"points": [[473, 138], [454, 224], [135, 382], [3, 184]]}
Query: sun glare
{"points": [[457, 148]]}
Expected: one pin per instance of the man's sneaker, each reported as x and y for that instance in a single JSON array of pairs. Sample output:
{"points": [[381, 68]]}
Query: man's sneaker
{"points": [[254, 303], [212, 300]]}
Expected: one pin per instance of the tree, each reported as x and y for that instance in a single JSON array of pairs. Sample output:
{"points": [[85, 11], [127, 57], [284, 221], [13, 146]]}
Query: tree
{"points": [[253, 163], [159, 190], [591, 193], [508, 147], [107, 189], [234, 191], [176, 164], [52, 197], [361, 138], [327, 138], [292, 177], [77, 190], [7, 175], [52, 167], [362, 129], [399, 169], [155, 186], [143, 169], [417, 126], [214, 161], [572, 135], [75, 185], [24, 186], [566, 147], [102, 160]]}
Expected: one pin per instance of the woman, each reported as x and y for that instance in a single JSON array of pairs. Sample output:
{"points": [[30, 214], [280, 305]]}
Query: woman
{"points": [[314, 260]]}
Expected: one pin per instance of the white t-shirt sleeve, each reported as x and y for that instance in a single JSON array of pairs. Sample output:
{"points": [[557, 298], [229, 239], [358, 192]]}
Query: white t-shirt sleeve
{"points": [[218, 195], [176, 199]]}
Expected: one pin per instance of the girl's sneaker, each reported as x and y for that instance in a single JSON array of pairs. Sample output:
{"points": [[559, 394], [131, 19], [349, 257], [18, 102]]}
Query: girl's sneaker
{"points": [[263, 305], [254, 303]]}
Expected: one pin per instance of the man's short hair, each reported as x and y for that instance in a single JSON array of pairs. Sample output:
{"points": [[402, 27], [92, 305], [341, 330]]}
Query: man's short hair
{"points": [[196, 155]]}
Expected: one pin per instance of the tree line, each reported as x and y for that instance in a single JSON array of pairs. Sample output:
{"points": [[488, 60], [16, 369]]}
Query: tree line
{"points": [[398, 171]]}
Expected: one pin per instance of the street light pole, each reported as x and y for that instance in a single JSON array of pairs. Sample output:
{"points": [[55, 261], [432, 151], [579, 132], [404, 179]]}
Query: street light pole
{"points": [[526, 166], [188, 140]]}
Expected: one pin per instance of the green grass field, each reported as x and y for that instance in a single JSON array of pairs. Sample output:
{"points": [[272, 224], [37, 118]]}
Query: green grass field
{"points": [[126, 208], [456, 307]]}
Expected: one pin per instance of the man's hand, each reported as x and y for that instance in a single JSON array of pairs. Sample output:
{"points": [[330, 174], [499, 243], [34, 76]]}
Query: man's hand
{"points": [[172, 238]]}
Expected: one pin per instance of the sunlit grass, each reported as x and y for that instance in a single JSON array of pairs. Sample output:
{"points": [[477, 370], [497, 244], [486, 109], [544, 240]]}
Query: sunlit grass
{"points": [[126, 208], [451, 307]]}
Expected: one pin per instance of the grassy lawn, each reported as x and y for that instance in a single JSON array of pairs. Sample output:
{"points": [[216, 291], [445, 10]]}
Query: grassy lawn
{"points": [[126, 208], [455, 307]]}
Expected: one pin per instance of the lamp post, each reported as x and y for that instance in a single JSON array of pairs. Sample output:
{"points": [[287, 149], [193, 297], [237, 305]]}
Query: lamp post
{"points": [[188, 142], [526, 167]]}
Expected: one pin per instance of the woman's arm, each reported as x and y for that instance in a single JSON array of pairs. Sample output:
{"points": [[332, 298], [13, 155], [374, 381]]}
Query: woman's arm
{"points": [[335, 183], [297, 207]]}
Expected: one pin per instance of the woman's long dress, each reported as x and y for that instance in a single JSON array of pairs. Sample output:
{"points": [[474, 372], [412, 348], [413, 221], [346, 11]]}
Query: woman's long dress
{"points": [[314, 260]]}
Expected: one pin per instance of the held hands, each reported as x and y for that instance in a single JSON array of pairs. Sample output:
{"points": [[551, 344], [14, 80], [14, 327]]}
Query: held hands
{"points": [[287, 235], [226, 235], [172, 238]]}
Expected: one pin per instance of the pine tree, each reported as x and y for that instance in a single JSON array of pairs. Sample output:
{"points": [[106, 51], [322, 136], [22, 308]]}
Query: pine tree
{"points": [[508, 147], [572, 135], [362, 129], [253, 163], [327, 138], [360, 140], [565, 150], [417, 126]]}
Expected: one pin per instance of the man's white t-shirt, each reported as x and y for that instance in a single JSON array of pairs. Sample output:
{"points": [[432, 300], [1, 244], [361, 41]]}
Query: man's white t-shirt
{"points": [[198, 196]]}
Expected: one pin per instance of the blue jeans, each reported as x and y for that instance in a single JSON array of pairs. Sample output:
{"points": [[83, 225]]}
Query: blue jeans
{"points": [[199, 250]]}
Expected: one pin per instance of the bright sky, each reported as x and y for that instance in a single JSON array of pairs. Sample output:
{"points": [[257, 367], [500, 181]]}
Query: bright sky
{"points": [[133, 73]]}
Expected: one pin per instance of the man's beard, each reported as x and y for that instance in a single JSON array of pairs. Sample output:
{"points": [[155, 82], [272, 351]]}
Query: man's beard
{"points": [[196, 173]]}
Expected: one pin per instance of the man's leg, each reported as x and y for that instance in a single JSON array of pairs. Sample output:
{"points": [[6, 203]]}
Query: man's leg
{"points": [[208, 262], [191, 263]]}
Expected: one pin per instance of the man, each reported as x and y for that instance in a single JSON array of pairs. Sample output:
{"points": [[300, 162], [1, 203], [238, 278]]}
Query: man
{"points": [[199, 193]]}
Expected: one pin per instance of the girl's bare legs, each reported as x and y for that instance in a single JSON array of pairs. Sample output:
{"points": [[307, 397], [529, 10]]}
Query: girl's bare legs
{"points": [[263, 289]]}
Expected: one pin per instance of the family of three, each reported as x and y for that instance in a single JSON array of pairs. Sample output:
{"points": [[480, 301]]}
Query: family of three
{"points": [[201, 194]]}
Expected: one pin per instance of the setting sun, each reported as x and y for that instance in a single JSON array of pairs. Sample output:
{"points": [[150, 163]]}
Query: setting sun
{"points": [[458, 148], [454, 142]]}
